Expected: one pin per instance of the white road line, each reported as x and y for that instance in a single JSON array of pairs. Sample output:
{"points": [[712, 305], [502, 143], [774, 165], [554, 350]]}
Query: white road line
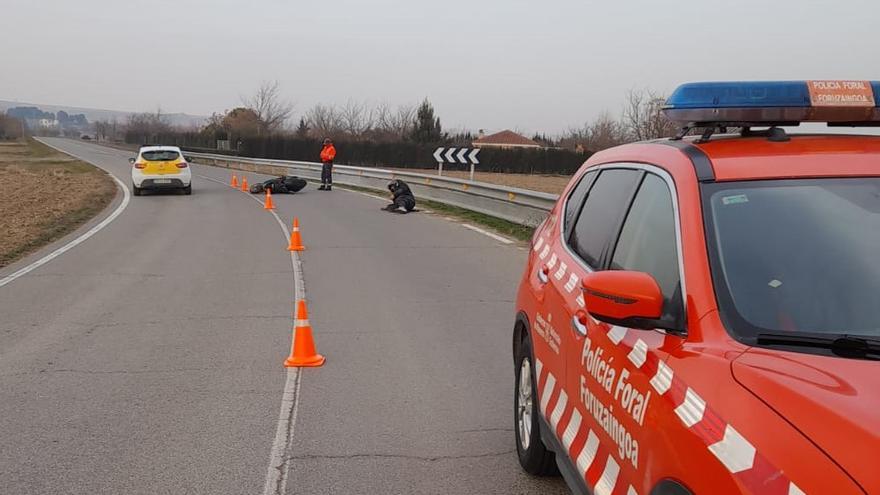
{"points": [[380, 198], [279, 465], [79, 240], [497, 237]]}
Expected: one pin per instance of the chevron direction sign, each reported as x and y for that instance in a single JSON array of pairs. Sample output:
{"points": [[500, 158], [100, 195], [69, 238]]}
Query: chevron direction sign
{"points": [[451, 156], [463, 156]]}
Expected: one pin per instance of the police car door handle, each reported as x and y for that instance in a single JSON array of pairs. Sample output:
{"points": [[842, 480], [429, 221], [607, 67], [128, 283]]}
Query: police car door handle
{"points": [[579, 322], [544, 274]]}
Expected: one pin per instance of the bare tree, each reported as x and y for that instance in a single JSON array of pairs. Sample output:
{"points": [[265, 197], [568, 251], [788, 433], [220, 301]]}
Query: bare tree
{"points": [[606, 132], [402, 121], [323, 120], [11, 127], [147, 126], [356, 118], [102, 129], [643, 115], [382, 116], [269, 106]]}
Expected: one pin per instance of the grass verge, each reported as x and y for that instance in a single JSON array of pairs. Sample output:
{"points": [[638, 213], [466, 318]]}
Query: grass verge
{"points": [[45, 195]]}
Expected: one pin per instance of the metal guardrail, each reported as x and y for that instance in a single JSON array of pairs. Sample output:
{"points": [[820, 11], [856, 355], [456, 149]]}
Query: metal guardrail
{"points": [[520, 206]]}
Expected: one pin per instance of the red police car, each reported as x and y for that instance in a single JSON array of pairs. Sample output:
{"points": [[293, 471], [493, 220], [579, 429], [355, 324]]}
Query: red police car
{"points": [[702, 315]]}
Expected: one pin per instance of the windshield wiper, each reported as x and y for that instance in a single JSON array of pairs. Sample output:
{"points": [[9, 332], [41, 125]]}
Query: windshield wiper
{"points": [[845, 345]]}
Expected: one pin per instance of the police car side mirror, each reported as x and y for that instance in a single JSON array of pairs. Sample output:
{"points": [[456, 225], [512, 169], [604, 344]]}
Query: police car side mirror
{"points": [[623, 298], [131, 160]]}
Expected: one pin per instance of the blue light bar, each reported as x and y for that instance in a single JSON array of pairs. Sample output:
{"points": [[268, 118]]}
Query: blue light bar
{"points": [[775, 103], [740, 95]]}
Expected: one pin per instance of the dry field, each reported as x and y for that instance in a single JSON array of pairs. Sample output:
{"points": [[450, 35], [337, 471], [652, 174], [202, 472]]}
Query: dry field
{"points": [[45, 195]]}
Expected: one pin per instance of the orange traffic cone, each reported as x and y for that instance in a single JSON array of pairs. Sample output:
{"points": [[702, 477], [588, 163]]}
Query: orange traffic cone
{"points": [[268, 205], [296, 243], [234, 181], [302, 351], [244, 186]]}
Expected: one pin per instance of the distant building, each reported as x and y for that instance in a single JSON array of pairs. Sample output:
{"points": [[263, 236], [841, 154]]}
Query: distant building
{"points": [[48, 124], [505, 139]]}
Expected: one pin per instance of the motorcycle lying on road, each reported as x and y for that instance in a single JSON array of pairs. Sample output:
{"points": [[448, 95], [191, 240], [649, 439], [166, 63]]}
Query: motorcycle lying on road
{"points": [[286, 184]]}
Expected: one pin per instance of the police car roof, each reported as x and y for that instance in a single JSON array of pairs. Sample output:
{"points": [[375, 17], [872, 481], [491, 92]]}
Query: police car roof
{"points": [[820, 155]]}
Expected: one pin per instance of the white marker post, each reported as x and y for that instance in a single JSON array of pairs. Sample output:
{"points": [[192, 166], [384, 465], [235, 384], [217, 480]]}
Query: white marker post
{"points": [[438, 155], [472, 156], [462, 160]]}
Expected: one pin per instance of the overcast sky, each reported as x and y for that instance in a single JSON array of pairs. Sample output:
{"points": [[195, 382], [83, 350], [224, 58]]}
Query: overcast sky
{"points": [[527, 65]]}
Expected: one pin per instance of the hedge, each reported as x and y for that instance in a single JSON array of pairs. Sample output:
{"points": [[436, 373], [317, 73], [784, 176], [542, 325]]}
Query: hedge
{"points": [[374, 154]]}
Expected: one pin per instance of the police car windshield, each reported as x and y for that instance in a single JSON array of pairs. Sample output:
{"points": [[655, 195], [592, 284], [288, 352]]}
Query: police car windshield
{"points": [[160, 155], [797, 256]]}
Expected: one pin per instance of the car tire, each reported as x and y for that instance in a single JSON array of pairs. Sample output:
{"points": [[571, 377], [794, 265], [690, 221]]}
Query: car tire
{"points": [[534, 457], [136, 190], [188, 190]]}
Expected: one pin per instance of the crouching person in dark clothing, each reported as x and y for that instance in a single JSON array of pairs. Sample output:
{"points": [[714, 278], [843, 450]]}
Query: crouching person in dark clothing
{"points": [[402, 198]]}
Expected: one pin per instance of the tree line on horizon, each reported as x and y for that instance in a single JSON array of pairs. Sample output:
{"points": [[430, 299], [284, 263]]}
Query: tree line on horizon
{"points": [[267, 114]]}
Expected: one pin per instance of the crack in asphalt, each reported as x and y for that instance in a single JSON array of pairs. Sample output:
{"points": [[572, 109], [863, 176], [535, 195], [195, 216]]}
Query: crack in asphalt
{"points": [[407, 248], [212, 369], [141, 275], [114, 324], [400, 456], [484, 430]]}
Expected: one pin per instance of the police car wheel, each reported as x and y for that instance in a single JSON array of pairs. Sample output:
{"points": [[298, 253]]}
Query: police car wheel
{"points": [[534, 457], [136, 190]]}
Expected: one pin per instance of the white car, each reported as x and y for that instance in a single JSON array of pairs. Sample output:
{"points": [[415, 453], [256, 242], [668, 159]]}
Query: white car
{"points": [[160, 167]]}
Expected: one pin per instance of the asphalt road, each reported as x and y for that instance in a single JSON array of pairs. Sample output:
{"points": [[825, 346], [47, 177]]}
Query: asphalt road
{"points": [[148, 358]]}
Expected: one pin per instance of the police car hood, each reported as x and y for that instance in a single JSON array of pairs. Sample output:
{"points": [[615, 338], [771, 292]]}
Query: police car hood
{"points": [[834, 402]]}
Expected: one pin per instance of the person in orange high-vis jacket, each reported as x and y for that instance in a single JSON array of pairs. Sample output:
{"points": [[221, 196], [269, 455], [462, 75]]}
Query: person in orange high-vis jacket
{"points": [[328, 153]]}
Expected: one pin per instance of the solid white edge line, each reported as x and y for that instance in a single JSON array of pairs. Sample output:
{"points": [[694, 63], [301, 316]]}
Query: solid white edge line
{"points": [[82, 238], [276, 474], [487, 233]]}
